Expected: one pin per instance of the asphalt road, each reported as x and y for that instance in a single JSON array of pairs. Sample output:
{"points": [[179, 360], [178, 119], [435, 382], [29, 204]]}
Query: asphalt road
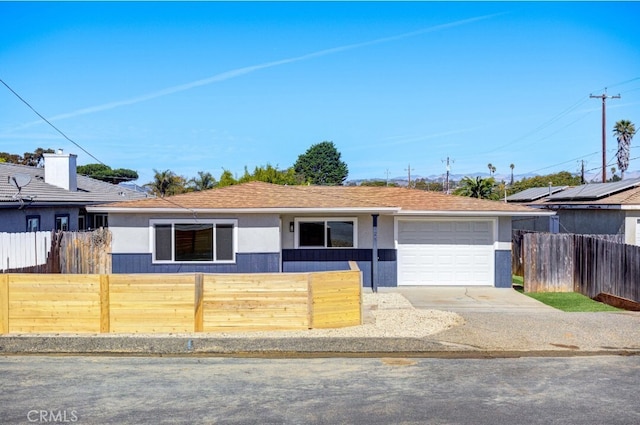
{"points": [[187, 390]]}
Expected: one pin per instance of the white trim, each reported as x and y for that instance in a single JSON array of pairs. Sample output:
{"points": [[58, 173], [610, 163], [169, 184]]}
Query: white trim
{"points": [[298, 220], [297, 210], [470, 214], [502, 246], [214, 222]]}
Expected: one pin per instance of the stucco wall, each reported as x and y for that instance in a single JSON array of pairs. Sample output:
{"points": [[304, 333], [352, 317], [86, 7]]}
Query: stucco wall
{"points": [[256, 233], [631, 227], [586, 222], [595, 222], [365, 230]]}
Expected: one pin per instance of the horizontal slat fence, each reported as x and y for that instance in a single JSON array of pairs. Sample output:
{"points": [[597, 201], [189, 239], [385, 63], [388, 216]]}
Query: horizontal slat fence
{"points": [[587, 264], [169, 303]]}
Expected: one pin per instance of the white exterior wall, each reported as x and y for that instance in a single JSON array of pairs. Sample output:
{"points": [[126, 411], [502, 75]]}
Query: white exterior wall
{"points": [[365, 230], [256, 233], [631, 228]]}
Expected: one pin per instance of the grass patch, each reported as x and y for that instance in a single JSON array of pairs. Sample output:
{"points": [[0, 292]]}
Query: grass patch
{"points": [[517, 282], [570, 302]]}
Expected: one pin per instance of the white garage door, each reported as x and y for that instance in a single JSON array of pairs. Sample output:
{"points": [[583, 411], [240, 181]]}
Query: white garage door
{"points": [[445, 252]]}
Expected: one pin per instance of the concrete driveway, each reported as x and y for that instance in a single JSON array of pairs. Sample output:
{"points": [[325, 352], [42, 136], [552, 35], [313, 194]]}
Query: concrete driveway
{"points": [[469, 299]]}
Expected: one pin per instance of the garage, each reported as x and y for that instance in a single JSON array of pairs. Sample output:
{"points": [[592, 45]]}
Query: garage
{"points": [[446, 252]]}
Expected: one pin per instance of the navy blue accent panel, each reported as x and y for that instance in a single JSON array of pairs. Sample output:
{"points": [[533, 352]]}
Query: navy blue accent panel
{"points": [[334, 254], [387, 255], [316, 260], [245, 263], [503, 269], [387, 273], [325, 266], [321, 254]]}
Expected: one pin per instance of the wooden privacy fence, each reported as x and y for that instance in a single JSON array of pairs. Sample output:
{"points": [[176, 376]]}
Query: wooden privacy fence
{"points": [[162, 303], [578, 263]]}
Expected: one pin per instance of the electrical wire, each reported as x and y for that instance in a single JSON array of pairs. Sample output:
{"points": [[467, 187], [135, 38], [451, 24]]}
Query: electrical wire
{"points": [[49, 122]]}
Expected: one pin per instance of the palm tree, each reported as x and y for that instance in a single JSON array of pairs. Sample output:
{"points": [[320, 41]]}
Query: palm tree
{"points": [[624, 131], [204, 181], [512, 167], [165, 183], [490, 167], [476, 188]]}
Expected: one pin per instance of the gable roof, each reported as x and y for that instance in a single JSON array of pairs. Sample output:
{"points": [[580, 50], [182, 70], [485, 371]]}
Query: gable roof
{"points": [[263, 197], [90, 191]]}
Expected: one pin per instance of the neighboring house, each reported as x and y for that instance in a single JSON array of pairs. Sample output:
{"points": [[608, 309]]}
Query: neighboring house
{"points": [[54, 197], [595, 208], [397, 236]]}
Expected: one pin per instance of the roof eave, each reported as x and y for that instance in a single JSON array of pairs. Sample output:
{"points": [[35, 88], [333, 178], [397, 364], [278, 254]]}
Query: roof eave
{"points": [[284, 210], [477, 213]]}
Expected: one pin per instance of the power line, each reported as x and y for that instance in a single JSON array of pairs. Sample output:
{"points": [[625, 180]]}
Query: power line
{"points": [[48, 122]]}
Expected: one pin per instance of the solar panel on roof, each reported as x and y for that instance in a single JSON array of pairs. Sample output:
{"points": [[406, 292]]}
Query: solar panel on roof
{"points": [[534, 193], [594, 190]]}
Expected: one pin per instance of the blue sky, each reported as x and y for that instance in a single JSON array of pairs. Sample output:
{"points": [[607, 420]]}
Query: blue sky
{"points": [[203, 86]]}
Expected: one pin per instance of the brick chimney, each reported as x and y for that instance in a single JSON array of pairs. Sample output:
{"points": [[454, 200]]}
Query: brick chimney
{"points": [[60, 170]]}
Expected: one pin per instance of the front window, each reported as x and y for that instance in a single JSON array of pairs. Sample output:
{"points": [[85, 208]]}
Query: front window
{"points": [[326, 233], [62, 222], [187, 241]]}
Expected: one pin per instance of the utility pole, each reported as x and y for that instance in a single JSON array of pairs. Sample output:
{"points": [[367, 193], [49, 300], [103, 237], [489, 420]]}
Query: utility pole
{"points": [[408, 169], [604, 130], [446, 184], [582, 173], [387, 177]]}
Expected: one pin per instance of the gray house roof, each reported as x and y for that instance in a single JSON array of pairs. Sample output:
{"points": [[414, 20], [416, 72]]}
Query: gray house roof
{"points": [[39, 193], [624, 194]]}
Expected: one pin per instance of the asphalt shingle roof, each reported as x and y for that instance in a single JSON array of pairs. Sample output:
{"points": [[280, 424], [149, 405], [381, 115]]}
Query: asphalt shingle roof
{"points": [[259, 195]]}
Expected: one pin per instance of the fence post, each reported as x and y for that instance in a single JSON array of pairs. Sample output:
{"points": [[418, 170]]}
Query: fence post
{"points": [[4, 304], [198, 313], [105, 308]]}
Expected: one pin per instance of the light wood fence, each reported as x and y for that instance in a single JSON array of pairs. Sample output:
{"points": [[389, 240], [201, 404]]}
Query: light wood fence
{"points": [[580, 263], [166, 303]]}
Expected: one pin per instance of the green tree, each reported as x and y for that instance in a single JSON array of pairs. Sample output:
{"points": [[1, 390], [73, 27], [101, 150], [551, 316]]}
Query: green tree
{"points": [[512, 166], [226, 179], [204, 181], [476, 188], [271, 174], [105, 173], [32, 159], [624, 131], [562, 178], [321, 165], [166, 183]]}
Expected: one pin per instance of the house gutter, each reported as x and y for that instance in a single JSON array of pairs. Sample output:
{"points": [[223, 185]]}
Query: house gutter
{"points": [[534, 212], [296, 210]]}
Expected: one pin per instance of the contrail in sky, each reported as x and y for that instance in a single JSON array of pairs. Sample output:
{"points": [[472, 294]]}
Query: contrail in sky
{"points": [[249, 69]]}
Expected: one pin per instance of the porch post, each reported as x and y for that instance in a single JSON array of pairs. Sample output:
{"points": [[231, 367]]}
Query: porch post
{"points": [[374, 255]]}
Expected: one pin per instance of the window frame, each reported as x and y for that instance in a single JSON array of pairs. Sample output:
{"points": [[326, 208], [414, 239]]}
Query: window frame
{"points": [[61, 216], [33, 217], [214, 222], [325, 220]]}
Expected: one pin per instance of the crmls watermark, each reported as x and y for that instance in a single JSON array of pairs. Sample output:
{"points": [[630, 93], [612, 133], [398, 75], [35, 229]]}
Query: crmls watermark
{"points": [[52, 416]]}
